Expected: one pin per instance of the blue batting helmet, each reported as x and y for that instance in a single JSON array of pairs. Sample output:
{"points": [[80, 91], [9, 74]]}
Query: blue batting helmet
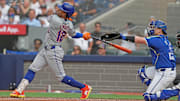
{"points": [[160, 24], [67, 8]]}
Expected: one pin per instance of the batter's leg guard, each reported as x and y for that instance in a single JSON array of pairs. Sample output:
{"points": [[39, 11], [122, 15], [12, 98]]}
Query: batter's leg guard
{"points": [[29, 75], [143, 77], [70, 81]]}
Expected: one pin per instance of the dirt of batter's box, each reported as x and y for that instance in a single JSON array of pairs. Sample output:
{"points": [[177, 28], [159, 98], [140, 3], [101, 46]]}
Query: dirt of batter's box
{"points": [[59, 99]]}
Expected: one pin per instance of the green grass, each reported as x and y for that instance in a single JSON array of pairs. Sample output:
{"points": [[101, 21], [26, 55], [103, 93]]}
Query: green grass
{"points": [[76, 95]]}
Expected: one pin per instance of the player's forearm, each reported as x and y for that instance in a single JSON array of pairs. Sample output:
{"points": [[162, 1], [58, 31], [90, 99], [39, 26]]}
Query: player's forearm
{"points": [[117, 35], [135, 39], [86, 35], [77, 35], [140, 40]]}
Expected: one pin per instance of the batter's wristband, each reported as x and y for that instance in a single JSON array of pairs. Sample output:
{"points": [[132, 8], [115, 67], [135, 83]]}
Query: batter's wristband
{"points": [[124, 37], [129, 38]]}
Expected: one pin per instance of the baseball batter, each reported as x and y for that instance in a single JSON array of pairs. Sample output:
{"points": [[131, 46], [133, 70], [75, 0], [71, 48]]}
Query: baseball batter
{"points": [[52, 54], [163, 72]]}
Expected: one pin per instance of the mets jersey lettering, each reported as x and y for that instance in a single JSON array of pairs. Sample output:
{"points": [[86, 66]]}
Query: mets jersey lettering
{"points": [[58, 30]]}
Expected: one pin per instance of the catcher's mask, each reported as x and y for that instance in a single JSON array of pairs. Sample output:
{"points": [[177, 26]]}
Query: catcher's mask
{"points": [[157, 24]]}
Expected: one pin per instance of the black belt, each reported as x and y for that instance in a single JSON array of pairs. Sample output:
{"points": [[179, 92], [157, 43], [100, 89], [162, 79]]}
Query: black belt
{"points": [[164, 69], [50, 47]]}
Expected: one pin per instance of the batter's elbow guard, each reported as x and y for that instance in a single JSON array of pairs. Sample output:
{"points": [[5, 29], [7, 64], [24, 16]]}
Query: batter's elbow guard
{"points": [[29, 75]]}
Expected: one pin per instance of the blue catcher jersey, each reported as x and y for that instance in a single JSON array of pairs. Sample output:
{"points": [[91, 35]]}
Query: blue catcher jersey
{"points": [[162, 52]]}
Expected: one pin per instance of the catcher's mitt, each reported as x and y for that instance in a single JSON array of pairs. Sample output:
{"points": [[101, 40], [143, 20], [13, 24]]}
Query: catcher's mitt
{"points": [[111, 36]]}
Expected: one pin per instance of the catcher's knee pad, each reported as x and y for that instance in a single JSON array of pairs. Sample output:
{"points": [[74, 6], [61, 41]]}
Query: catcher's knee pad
{"points": [[142, 75]]}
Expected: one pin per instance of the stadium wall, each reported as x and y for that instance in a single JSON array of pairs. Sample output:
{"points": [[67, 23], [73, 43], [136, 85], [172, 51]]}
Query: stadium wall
{"points": [[103, 73], [116, 77]]}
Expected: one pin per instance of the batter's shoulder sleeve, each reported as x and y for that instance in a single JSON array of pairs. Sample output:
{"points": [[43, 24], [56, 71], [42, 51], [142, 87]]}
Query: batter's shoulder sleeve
{"points": [[153, 40]]}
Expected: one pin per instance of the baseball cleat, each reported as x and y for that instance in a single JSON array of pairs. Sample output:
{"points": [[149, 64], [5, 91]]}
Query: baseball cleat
{"points": [[16, 94], [85, 92]]}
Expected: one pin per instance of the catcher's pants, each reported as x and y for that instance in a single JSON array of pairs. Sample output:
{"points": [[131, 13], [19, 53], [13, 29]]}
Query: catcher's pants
{"points": [[161, 78], [52, 57]]}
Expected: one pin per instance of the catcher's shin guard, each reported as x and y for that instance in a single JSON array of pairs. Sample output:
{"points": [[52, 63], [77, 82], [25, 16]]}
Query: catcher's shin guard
{"points": [[166, 94], [150, 97], [161, 95]]}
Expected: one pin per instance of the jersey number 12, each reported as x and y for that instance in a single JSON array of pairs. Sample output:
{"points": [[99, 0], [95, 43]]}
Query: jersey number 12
{"points": [[60, 36]]}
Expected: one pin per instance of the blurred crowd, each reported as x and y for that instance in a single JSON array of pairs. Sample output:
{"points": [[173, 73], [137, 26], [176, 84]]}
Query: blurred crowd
{"points": [[92, 46], [36, 12]]}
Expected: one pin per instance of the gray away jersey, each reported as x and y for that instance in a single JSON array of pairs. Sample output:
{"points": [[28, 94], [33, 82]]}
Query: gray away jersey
{"points": [[57, 30]]}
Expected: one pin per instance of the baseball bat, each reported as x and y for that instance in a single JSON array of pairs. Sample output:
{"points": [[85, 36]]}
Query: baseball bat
{"points": [[114, 45]]}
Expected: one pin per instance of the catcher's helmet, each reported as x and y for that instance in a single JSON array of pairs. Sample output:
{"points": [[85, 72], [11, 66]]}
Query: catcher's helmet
{"points": [[150, 28], [67, 8], [157, 24], [160, 24]]}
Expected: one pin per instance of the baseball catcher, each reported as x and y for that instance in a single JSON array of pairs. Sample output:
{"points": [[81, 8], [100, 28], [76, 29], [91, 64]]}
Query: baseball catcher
{"points": [[163, 72]]}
